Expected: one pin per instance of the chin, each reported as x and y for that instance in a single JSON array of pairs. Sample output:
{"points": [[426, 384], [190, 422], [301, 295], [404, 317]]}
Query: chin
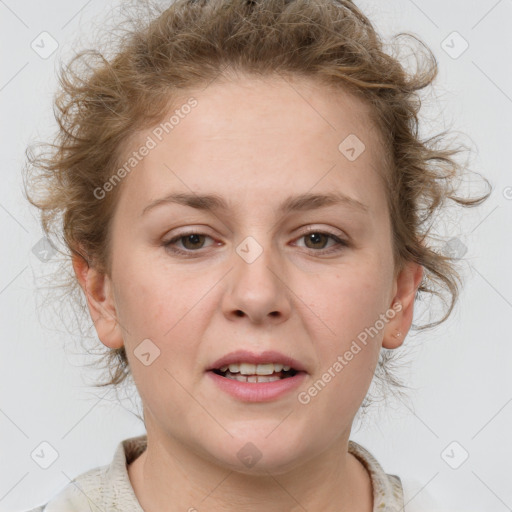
{"points": [[257, 464], [255, 454]]}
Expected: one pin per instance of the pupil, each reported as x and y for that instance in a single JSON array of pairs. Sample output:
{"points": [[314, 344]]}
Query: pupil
{"points": [[315, 237], [193, 238]]}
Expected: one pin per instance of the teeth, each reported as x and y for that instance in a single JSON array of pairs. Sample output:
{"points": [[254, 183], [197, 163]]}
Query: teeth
{"points": [[253, 369], [247, 369], [263, 378], [252, 378]]}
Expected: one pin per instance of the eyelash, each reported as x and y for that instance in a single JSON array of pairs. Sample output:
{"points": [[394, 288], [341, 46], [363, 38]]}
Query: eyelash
{"points": [[342, 244]]}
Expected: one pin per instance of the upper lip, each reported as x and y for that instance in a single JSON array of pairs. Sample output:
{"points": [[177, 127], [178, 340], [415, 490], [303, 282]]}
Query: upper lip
{"points": [[244, 356]]}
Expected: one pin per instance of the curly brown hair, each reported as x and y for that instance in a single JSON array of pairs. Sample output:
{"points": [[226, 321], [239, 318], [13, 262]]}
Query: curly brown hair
{"points": [[104, 101]]}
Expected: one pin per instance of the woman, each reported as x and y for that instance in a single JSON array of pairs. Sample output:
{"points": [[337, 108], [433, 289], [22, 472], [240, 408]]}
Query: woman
{"points": [[246, 201]]}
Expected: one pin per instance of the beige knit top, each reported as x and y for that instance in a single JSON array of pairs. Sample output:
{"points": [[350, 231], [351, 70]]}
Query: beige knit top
{"points": [[108, 488]]}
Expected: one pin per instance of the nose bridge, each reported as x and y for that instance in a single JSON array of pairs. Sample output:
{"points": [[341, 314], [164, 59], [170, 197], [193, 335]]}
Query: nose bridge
{"points": [[256, 287], [256, 242], [255, 257]]}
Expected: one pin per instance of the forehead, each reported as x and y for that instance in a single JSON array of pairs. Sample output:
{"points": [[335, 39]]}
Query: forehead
{"points": [[277, 112], [254, 136]]}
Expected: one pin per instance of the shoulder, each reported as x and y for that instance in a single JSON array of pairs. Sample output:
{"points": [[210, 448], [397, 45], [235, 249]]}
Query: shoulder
{"points": [[80, 495], [103, 488], [391, 492], [417, 497], [387, 488]]}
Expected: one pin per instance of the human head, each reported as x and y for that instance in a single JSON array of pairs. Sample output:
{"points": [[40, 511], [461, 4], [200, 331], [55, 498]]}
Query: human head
{"points": [[103, 105]]}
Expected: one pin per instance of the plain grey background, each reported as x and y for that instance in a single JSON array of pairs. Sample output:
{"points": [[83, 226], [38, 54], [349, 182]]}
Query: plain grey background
{"points": [[451, 448]]}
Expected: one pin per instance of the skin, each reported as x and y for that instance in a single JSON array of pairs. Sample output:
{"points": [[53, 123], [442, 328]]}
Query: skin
{"points": [[254, 142]]}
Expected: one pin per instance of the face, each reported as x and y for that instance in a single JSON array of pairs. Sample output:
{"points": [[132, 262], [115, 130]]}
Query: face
{"points": [[313, 283]]}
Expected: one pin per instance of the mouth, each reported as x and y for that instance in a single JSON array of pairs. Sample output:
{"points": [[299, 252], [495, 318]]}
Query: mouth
{"points": [[251, 377], [247, 372]]}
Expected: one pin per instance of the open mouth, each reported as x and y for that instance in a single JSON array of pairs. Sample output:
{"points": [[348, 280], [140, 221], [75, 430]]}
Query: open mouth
{"points": [[256, 373], [257, 381], [256, 378]]}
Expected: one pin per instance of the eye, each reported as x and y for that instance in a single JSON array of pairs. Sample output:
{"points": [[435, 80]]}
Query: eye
{"points": [[316, 240], [191, 241]]}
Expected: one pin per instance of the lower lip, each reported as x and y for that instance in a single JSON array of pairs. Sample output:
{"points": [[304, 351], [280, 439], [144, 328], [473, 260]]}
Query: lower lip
{"points": [[258, 391]]}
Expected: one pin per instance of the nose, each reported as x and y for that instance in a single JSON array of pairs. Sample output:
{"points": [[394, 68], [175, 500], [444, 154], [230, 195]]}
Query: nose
{"points": [[257, 286]]}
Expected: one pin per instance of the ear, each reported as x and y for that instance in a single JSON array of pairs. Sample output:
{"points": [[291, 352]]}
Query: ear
{"points": [[406, 286], [97, 287]]}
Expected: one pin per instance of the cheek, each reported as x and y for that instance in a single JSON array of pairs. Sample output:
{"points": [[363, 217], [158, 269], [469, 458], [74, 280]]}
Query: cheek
{"points": [[152, 299], [348, 300], [165, 306], [347, 343], [347, 306], [168, 313]]}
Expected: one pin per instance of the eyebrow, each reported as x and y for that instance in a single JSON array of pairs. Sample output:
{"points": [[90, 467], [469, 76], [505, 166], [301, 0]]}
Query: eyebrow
{"points": [[302, 202]]}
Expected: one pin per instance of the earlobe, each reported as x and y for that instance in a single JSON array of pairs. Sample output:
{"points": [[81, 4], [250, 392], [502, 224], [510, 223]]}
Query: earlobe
{"points": [[408, 282], [97, 288]]}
